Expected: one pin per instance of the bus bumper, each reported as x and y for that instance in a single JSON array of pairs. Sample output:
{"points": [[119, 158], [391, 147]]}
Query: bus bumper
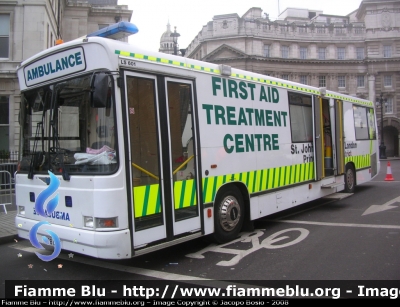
{"points": [[100, 244]]}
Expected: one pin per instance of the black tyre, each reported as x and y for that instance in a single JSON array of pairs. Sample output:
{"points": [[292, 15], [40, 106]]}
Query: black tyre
{"points": [[349, 179], [228, 214]]}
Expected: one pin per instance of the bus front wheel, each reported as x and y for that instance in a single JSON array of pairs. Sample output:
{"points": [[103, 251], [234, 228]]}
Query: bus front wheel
{"points": [[349, 179], [228, 214]]}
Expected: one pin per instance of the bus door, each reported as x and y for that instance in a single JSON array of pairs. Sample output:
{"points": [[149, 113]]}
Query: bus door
{"points": [[328, 119], [319, 141], [163, 158], [334, 136], [323, 138], [339, 138]]}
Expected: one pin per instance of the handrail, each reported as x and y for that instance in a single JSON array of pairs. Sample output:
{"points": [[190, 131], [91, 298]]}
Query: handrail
{"points": [[183, 164], [144, 171], [154, 176]]}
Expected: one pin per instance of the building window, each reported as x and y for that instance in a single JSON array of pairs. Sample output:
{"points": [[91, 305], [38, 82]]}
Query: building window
{"points": [[358, 30], [341, 81], [340, 53], [303, 52], [303, 79], [266, 51], [321, 53], [284, 29], [389, 106], [360, 81], [4, 123], [4, 35], [387, 81], [322, 81], [339, 30], [285, 52], [285, 77], [320, 30], [387, 51], [360, 53], [302, 30]]}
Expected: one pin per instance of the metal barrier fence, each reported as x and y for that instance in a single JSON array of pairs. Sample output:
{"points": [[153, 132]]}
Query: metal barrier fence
{"points": [[8, 163], [6, 195], [8, 156]]}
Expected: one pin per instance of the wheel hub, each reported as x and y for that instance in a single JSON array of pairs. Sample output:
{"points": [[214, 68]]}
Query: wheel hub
{"points": [[350, 179], [229, 213]]}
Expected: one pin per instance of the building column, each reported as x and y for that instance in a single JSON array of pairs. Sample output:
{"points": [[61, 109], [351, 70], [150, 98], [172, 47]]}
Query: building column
{"points": [[398, 153], [371, 88]]}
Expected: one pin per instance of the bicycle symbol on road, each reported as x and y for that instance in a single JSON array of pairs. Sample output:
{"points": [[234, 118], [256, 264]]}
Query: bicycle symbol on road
{"points": [[251, 237]]}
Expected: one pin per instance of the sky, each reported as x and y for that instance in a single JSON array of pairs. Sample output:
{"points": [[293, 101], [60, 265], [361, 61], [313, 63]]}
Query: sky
{"points": [[189, 16]]}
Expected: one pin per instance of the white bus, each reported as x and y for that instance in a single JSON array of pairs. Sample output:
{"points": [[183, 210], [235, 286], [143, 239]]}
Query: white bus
{"points": [[151, 149]]}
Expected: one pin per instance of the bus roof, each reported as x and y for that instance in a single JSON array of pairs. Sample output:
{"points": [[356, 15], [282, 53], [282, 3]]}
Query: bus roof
{"points": [[121, 49]]}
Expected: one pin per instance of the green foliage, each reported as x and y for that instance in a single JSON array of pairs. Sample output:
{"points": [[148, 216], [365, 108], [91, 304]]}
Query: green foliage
{"points": [[4, 154]]}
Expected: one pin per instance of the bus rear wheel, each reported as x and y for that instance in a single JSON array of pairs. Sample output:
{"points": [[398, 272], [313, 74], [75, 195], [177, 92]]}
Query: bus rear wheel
{"points": [[228, 214], [349, 179]]}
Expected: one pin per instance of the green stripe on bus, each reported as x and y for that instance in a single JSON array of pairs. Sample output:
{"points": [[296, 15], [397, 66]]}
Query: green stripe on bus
{"points": [[146, 200], [214, 189], [261, 181], [182, 200], [205, 186], [209, 189], [287, 178], [276, 177], [360, 161], [282, 176], [158, 200], [297, 173], [270, 178], [193, 198], [252, 181], [307, 172]]}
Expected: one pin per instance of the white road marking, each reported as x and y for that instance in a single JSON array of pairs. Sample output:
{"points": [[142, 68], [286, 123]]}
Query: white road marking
{"points": [[186, 278], [385, 206], [253, 238], [336, 224]]}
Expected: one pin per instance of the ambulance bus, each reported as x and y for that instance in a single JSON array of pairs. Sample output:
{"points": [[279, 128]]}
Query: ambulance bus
{"points": [[149, 150]]}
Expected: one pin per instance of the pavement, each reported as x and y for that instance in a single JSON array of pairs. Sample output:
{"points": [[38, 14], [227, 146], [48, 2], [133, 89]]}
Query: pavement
{"points": [[8, 230]]}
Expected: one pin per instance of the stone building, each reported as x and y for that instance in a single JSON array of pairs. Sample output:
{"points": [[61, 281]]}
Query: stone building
{"points": [[356, 54], [166, 41], [169, 41], [30, 26]]}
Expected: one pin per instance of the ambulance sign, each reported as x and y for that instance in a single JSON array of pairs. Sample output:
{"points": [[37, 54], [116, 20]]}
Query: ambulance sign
{"points": [[55, 66]]}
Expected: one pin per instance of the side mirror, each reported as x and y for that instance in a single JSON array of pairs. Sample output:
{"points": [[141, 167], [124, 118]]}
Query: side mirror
{"points": [[99, 91]]}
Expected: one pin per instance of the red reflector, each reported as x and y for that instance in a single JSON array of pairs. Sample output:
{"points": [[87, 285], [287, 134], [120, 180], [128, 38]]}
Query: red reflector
{"points": [[109, 223], [213, 165], [209, 213]]}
